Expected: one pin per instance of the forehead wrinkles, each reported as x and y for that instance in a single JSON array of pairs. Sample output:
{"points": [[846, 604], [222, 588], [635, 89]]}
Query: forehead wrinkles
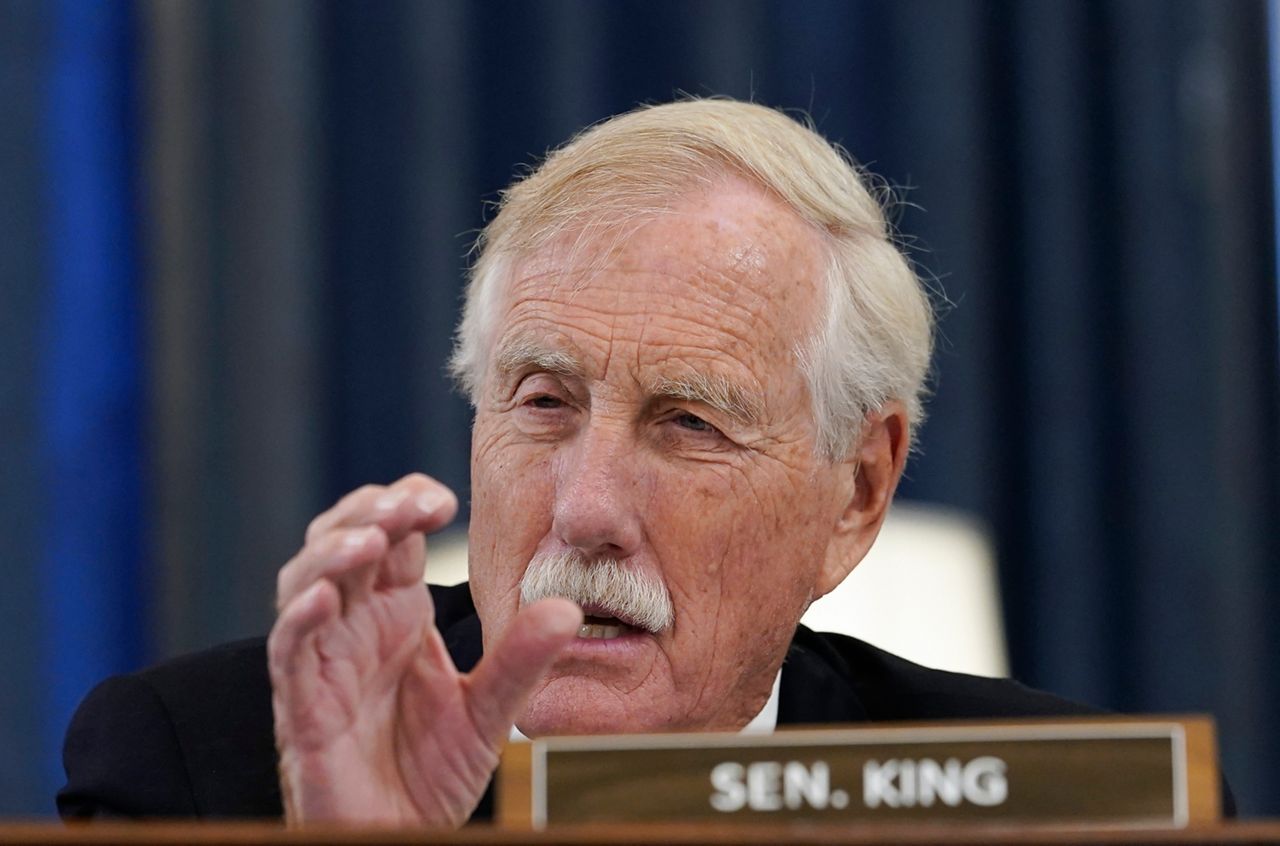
{"points": [[674, 299], [687, 305], [736, 273], [654, 338]]}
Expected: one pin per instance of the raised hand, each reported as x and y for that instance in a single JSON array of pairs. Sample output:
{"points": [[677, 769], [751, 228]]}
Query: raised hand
{"points": [[373, 722]]}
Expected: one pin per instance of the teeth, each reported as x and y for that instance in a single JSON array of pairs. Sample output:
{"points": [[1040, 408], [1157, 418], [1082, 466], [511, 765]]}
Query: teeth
{"points": [[596, 631]]}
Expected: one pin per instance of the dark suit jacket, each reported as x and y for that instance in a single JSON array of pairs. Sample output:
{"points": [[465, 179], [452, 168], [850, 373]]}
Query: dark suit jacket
{"points": [[193, 737]]}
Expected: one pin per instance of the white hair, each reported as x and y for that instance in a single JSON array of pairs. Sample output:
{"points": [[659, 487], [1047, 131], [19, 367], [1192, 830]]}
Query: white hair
{"points": [[874, 338], [606, 585]]}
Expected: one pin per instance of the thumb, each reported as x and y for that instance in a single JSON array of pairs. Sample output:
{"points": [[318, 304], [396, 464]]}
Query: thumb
{"points": [[502, 681]]}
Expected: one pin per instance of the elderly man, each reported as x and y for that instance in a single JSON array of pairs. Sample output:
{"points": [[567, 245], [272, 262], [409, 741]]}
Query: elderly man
{"points": [[696, 360]]}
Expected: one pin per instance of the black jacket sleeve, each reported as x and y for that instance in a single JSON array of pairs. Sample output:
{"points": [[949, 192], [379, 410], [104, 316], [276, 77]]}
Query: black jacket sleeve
{"points": [[122, 756], [189, 738]]}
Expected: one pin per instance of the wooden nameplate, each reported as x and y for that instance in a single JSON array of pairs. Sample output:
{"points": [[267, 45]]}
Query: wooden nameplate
{"points": [[1104, 771]]}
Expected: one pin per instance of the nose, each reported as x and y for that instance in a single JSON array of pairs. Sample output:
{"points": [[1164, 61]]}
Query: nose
{"points": [[597, 494]]}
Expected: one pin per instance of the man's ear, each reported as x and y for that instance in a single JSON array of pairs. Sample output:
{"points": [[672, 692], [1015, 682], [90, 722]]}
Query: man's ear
{"points": [[868, 478]]}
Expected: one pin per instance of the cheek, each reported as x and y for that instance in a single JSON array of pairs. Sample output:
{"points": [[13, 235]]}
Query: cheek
{"points": [[721, 523], [691, 517], [506, 472], [510, 514], [745, 539], [736, 558]]}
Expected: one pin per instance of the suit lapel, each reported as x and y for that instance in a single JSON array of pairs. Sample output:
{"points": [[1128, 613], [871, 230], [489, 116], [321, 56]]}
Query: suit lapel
{"points": [[814, 690], [463, 640]]}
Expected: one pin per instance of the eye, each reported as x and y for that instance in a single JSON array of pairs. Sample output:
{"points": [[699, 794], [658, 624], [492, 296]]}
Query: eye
{"points": [[684, 431], [544, 401], [692, 422], [542, 414], [541, 392]]}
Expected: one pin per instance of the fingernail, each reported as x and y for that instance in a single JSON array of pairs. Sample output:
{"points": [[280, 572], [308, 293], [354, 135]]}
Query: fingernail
{"points": [[430, 501], [356, 539], [390, 500]]}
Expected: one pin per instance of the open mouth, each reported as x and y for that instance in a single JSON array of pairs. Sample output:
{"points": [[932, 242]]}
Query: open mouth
{"points": [[603, 628], [602, 623]]}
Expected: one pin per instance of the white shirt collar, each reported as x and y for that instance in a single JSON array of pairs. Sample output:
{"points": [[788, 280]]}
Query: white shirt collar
{"points": [[762, 723], [767, 720]]}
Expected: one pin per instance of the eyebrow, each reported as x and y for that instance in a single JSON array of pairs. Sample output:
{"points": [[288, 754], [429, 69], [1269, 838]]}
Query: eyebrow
{"points": [[525, 354], [713, 391]]}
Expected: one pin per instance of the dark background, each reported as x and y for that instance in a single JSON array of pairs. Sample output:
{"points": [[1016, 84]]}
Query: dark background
{"points": [[232, 238]]}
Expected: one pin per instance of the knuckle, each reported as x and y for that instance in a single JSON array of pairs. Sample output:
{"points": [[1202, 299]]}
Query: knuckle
{"points": [[419, 481], [364, 492], [340, 542], [355, 501], [316, 526], [331, 542], [350, 502]]}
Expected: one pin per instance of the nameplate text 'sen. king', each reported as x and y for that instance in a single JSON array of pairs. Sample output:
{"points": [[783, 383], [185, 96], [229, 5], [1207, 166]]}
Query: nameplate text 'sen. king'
{"points": [[1108, 771]]}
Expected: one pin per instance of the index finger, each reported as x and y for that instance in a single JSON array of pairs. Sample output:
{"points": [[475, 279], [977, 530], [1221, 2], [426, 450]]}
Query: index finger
{"points": [[415, 502]]}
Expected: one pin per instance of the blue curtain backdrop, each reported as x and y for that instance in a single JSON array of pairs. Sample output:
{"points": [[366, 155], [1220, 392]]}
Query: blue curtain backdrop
{"points": [[92, 565], [231, 244], [74, 504]]}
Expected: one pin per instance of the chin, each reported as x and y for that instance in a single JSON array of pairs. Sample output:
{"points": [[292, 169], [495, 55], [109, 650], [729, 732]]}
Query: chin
{"points": [[577, 705]]}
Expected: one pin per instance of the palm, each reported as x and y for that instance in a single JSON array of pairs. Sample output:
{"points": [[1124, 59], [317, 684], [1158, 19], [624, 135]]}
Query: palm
{"points": [[373, 721]]}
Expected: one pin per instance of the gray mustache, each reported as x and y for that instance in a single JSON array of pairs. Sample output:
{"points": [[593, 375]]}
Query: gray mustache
{"points": [[639, 600]]}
